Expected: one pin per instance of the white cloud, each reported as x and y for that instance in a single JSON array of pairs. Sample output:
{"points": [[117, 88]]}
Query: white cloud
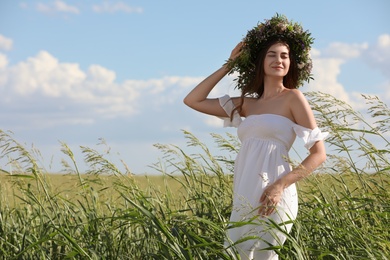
{"points": [[47, 83], [325, 72], [175, 86], [375, 55], [101, 75], [3, 61], [63, 91], [107, 7], [5, 43], [327, 67], [384, 41], [378, 56], [57, 6], [45, 75], [344, 50]]}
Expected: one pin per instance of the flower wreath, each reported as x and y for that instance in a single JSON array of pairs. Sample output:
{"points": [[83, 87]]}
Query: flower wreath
{"points": [[278, 27]]}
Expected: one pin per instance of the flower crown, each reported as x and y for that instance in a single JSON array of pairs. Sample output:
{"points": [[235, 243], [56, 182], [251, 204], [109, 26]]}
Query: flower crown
{"points": [[276, 28]]}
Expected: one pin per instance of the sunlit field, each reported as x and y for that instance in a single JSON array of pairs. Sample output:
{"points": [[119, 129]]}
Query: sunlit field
{"points": [[183, 212]]}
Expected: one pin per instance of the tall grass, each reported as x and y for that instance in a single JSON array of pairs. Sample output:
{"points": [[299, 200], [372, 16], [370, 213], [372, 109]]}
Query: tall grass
{"points": [[344, 206]]}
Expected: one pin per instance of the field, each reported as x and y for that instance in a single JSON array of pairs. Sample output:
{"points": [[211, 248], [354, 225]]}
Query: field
{"points": [[183, 212]]}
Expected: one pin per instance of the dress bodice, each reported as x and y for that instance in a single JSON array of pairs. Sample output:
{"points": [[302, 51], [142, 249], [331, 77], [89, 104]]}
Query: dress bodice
{"points": [[267, 127]]}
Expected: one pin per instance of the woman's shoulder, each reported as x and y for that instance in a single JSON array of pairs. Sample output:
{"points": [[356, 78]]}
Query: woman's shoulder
{"points": [[295, 92], [301, 110], [295, 95]]}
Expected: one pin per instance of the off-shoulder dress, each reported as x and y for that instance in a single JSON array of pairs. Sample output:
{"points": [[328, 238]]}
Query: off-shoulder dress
{"points": [[263, 158]]}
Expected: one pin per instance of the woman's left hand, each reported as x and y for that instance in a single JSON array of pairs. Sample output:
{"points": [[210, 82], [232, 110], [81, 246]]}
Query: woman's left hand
{"points": [[270, 199]]}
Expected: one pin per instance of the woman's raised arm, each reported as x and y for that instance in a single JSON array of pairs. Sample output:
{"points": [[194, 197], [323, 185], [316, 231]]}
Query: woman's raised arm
{"points": [[197, 98]]}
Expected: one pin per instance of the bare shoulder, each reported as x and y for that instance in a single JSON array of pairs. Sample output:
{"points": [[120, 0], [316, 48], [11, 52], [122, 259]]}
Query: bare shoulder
{"points": [[300, 109], [297, 101], [296, 96]]}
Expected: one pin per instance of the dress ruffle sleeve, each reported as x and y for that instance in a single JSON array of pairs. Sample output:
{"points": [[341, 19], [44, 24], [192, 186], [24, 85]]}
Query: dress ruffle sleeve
{"points": [[228, 105], [310, 136]]}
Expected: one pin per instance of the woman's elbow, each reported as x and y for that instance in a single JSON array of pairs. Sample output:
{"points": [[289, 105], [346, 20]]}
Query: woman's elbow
{"points": [[191, 102], [187, 101]]}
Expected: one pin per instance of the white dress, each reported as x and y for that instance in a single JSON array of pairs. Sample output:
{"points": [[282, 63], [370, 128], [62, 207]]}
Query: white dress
{"points": [[262, 159]]}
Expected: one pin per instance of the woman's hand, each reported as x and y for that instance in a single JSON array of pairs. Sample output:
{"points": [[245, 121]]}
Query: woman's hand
{"points": [[270, 199], [236, 51]]}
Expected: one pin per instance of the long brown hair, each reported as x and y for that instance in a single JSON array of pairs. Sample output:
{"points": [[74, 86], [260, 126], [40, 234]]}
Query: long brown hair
{"points": [[255, 88]]}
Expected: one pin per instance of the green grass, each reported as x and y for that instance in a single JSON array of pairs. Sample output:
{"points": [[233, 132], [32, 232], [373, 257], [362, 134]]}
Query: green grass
{"points": [[183, 213]]}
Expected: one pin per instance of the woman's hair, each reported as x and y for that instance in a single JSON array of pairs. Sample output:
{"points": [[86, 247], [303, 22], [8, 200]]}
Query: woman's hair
{"points": [[255, 87]]}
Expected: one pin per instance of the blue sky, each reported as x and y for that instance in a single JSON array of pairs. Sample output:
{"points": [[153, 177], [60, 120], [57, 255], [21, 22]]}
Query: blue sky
{"points": [[78, 71]]}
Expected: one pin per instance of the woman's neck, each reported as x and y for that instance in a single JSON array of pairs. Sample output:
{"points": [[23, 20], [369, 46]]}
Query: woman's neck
{"points": [[272, 88]]}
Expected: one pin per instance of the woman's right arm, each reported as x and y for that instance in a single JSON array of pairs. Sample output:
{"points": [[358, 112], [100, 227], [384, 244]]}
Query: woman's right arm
{"points": [[197, 98]]}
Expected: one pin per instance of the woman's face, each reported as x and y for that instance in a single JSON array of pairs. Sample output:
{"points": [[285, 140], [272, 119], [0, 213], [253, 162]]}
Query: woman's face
{"points": [[277, 60]]}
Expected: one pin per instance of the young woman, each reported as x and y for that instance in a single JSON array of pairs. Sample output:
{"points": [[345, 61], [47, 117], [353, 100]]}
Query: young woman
{"points": [[272, 62]]}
